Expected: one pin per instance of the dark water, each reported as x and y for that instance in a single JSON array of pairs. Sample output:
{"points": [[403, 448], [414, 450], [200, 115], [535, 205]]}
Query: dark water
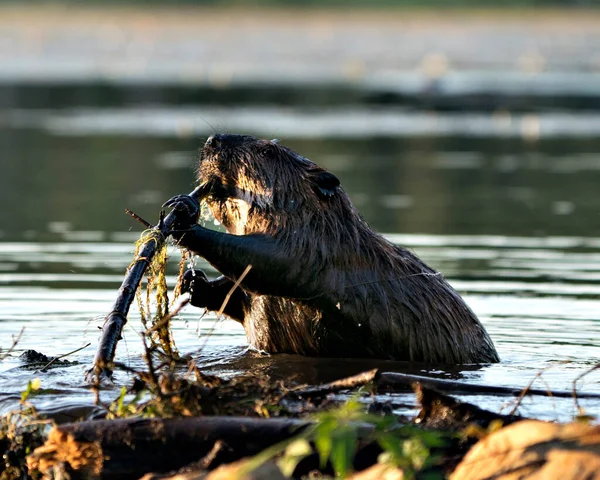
{"points": [[506, 206]]}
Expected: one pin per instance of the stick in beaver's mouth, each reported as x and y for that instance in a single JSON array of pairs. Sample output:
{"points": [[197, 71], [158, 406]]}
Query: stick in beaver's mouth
{"points": [[117, 318]]}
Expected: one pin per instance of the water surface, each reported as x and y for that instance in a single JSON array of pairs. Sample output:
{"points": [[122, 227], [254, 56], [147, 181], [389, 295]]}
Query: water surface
{"points": [[511, 223]]}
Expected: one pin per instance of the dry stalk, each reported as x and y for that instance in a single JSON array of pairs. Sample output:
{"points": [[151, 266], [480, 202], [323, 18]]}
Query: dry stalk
{"points": [[219, 314], [525, 391], [15, 341], [49, 364], [580, 410], [138, 218]]}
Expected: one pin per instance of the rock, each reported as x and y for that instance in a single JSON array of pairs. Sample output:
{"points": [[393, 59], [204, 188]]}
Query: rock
{"points": [[535, 450], [379, 471], [267, 471], [237, 470]]}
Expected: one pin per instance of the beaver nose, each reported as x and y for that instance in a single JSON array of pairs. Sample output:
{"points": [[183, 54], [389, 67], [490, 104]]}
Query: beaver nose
{"points": [[227, 140], [214, 141]]}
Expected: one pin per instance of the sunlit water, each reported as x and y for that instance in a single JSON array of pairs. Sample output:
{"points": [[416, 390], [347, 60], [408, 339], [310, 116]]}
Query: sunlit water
{"points": [[305, 122], [537, 297]]}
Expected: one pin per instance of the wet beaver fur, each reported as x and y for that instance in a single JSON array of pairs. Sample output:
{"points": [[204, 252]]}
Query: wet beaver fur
{"points": [[322, 283]]}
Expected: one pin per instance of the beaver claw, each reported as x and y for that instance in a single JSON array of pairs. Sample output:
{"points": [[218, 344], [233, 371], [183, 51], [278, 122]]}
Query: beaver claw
{"points": [[197, 284], [186, 209], [184, 203]]}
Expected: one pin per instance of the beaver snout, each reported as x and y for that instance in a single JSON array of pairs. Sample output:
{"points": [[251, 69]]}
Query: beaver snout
{"points": [[222, 140]]}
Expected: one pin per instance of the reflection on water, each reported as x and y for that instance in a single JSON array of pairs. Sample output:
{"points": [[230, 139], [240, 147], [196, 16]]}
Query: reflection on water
{"points": [[53, 185], [308, 123], [538, 317]]}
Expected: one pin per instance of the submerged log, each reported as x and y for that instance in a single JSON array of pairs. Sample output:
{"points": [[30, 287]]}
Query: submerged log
{"points": [[117, 318], [443, 412], [386, 381], [129, 448], [346, 383], [394, 380]]}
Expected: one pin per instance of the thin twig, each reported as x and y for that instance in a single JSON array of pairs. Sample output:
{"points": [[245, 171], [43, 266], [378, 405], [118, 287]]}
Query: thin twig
{"points": [[209, 458], [225, 302], [138, 218], [526, 390], [575, 396], [551, 398], [150, 364], [126, 368], [219, 313], [392, 380], [63, 356], [15, 340], [358, 380], [232, 289]]}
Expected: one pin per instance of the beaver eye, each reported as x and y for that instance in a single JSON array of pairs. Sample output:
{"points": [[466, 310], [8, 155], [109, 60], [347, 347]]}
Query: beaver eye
{"points": [[325, 184], [268, 150]]}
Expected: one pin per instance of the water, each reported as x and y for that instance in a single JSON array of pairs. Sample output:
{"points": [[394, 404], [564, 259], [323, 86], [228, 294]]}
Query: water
{"points": [[485, 162], [512, 223]]}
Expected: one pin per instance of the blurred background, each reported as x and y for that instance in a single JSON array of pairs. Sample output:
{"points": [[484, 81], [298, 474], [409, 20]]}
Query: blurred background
{"points": [[453, 121], [467, 131]]}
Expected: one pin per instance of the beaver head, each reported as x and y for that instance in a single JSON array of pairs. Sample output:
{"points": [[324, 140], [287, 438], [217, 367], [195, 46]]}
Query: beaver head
{"points": [[260, 186]]}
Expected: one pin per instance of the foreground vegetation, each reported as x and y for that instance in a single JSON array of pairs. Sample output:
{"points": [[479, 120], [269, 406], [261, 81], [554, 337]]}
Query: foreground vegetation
{"points": [[174, 419]]}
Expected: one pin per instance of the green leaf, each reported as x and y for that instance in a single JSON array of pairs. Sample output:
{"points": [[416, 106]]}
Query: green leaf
{"points": [[32, 387], [120, 400], [391, 443], [267, 454], [381, 423], [416, 452], [294, 454], [322, 438], [343, 446], [433, 439]]}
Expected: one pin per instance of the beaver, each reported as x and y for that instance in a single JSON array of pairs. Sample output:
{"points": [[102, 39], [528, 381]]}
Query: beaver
{"points": [[322, 282]]}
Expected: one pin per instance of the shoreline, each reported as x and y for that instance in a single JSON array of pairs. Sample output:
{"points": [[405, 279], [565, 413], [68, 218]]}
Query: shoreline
{"points": [[550, 17]]}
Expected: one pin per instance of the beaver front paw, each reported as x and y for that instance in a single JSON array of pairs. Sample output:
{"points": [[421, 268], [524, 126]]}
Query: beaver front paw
{"points": [[198, 286], [186, 210]]}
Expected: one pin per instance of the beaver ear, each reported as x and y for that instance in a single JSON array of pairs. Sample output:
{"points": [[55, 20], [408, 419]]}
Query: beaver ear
{"points": [[325, 184]]}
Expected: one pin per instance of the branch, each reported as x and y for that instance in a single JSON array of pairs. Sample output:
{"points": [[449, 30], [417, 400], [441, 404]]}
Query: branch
{"points": [[14, 344]]}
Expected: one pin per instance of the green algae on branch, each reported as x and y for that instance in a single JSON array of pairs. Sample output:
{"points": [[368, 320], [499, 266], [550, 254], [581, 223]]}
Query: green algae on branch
{"points": [[117, 318], [158, 332]]}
